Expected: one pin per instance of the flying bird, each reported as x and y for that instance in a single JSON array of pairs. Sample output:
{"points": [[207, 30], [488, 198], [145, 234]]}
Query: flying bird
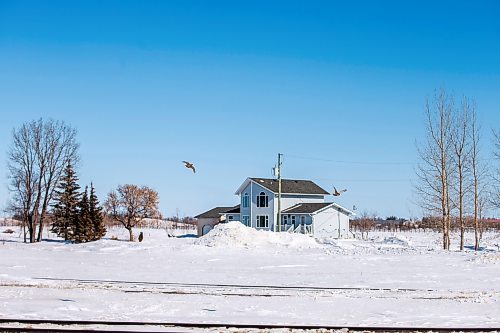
{"points": [[189, 166], [337, 193]]}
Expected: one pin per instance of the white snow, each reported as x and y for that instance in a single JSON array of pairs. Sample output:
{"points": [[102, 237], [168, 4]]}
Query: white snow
{"points": [[235, 234], [404, 279]]}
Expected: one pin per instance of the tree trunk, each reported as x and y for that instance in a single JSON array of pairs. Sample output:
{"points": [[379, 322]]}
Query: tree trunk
{"points": [[131, 235], [444, 225], [24, 228], [31, 229], [40, 225], [461, 208], [476, 220]]}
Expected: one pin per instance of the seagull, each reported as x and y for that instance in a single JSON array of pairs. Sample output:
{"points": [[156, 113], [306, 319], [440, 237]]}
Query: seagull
{"points": [[189, 166], [337, 193]]}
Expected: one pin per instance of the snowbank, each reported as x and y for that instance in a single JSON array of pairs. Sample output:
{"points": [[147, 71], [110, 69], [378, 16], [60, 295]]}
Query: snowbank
{"points": [[398, 240], [235, 234]]}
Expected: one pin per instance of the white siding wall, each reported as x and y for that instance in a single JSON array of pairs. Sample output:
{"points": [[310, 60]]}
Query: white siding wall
{"points": [[206, 222], [245, 211], [235, 217], [328, 222], [288, 201], [269, 211]]}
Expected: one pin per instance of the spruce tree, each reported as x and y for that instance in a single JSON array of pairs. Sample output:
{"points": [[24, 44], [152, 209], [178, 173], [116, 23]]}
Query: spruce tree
{"points": [[66, 199], [84, 228], [95, 212]]}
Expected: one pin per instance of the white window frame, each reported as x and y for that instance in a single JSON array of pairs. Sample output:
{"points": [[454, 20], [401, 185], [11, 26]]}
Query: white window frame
{"points": [[258, 220], [285, 219], [245, 219], [293, 219], [230, 218], [246, 200], [266, 200]]}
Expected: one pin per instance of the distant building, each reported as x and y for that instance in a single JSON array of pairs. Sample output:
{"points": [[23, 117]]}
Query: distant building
{"points": [[303, 209]]}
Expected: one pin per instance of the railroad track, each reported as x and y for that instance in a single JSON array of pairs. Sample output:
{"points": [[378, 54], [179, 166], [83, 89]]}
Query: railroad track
{"points": [[239, 286], [64, 326], [211, 289]]}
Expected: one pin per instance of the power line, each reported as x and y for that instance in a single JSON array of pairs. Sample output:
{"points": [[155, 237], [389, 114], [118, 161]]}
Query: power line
{"points": [[347, 162], [365, 162], [365, 180]]}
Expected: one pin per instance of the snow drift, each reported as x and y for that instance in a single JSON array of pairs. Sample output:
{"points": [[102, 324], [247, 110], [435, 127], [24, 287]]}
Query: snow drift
{"points": [[235, 234]]}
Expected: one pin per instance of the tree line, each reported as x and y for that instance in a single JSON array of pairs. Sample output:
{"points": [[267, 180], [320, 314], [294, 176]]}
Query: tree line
{"points": [[45, 189], [455, 179]]}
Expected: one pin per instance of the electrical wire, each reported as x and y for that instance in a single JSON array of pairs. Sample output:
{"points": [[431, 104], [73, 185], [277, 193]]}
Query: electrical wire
{"points": [[347, 162]]}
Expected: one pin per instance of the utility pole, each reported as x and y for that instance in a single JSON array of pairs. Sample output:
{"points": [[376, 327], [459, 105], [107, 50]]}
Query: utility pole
{"points": [[279, 191]]}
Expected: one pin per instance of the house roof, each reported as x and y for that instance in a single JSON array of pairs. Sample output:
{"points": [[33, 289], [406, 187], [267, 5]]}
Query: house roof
{"points": [[306, 208], [288, 186], [233, 210], [217, 211], [313, 207]]}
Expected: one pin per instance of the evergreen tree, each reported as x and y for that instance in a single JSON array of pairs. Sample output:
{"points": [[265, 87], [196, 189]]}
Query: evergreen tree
{"points": [[66, 199], [95, 212], [83, 225]]}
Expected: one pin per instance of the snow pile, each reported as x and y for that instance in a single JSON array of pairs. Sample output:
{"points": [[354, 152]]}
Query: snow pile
{"points": [[397, 240], [235, 234], [490, 258]]}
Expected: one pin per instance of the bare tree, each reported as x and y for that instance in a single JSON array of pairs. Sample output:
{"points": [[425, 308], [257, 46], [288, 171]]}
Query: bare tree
{"points": [[461, 150], [495, 196], [130, 204], [478, 174], [36, 159], [435, 169]]}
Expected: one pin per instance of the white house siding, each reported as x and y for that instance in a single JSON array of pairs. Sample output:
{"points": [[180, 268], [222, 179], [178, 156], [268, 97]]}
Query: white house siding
{"points": [[269, 211], [288, 200], [328, 222], [232, 217], [253, 189], [246, 211], [205, 224]]}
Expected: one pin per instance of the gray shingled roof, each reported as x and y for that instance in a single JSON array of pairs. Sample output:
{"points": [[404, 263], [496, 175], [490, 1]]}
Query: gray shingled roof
{"points": [[306, 208], [295, 186], [215, 212], [233, 210]]}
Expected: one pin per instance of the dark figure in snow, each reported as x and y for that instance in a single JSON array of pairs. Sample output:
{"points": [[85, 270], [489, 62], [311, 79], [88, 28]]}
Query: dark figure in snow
{"points": [[141, 237]]}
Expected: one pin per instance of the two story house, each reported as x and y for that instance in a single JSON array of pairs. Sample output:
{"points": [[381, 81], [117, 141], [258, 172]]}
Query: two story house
{"points": [[303, 209]]}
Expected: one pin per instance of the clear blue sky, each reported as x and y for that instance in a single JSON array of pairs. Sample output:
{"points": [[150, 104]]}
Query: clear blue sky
{"points": [[338, 87]]}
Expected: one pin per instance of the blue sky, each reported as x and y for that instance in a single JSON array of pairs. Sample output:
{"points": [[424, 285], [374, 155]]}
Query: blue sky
{"points": [[338, 87]]}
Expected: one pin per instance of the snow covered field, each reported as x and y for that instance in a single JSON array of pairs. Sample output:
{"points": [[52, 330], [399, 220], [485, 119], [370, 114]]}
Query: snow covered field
{"points": [[239, 275]]}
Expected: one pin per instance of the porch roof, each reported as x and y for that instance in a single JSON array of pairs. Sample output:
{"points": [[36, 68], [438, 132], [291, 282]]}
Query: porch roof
{"points": [[306, 208], [217, 211]]}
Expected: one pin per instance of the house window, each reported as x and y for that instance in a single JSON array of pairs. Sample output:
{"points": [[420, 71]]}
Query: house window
{"points": [[293, 219], [262, 221], [230, 218], [285, 219], [262, 200], [245, 219], [245, 200]]}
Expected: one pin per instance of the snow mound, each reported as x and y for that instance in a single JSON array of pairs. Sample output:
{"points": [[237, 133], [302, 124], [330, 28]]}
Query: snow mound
{"points": [[397, 240], [235, 234]]}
